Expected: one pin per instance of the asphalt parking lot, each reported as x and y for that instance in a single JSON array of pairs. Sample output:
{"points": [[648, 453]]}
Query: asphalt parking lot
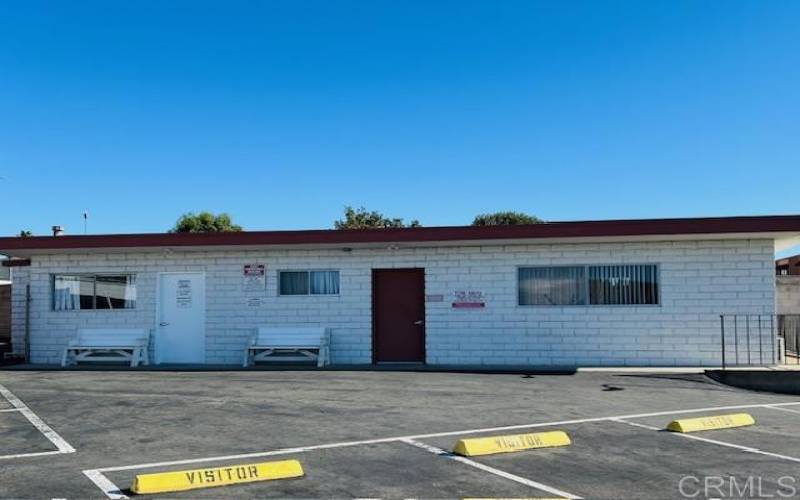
{"points": [[86, 434]]}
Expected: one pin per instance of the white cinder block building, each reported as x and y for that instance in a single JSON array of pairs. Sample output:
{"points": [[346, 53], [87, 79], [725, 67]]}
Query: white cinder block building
{"points": [[600, 293]]}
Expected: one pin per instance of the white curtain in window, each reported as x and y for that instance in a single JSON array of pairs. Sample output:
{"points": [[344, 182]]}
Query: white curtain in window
{"points": [[325, 282], [66, 293], [130, 293]]}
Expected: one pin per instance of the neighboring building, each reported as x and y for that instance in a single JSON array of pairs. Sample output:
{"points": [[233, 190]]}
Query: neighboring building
{"points": [[789, 266], [5, 309], [5, 273], [787, 285], [787, 294], [5, 319], [611, 293]]}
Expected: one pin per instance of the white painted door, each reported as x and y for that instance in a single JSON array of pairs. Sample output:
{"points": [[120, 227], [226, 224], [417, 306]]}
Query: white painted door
{"points": [[181, 335]]}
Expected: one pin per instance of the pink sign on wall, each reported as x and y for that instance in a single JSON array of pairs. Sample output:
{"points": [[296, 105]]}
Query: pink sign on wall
{"points": [[254, 277]]}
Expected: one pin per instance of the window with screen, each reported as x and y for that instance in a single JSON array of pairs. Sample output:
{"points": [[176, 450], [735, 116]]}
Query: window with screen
{"points": [[73, 292], [308, 283]]}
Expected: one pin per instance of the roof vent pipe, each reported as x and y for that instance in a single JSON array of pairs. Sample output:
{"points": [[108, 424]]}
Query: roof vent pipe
{"points": [[57, 230]]}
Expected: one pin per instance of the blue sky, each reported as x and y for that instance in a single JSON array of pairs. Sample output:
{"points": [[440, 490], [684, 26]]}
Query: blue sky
{"points": [[281, 113]]}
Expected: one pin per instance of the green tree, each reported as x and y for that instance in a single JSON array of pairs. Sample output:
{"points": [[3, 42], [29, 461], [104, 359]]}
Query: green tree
{"points": [[24, 233], [505, 219], [205, 222], [362, 219]]}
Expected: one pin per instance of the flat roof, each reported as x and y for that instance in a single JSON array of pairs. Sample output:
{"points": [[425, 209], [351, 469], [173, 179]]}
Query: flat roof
{"points": [[778, 227]]}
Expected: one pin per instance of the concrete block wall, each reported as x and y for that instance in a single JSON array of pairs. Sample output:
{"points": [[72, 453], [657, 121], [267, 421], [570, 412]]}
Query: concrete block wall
{"points": [[699, 281], [5, 313], [20, 277]]}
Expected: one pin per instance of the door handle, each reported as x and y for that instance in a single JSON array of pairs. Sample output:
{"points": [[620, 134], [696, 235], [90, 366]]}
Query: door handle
{"points": [[419, 322], [163, 323]]}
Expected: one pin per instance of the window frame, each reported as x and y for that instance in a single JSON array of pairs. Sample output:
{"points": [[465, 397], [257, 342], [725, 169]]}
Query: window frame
{"points": [[308, 274], [585, 285], [94, 277]]}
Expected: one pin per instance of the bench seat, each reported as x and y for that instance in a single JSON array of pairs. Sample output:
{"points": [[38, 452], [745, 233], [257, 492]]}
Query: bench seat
{"points": [[273, 343], [108, 344]]}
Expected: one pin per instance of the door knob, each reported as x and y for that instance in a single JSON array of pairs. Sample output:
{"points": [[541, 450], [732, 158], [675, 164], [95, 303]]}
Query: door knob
{"points": [[419, 322], [163, 323]]}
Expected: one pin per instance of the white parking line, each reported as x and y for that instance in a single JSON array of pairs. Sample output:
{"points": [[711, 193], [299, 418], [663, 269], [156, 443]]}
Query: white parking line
{"points": [[50, 434], [33, 454], [774, 407], [343, 444], [491, 470], [748, 449], [112, 491]]}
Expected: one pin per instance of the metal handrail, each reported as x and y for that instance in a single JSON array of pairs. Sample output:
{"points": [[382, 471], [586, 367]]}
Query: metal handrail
{"points": [[759, 337]]}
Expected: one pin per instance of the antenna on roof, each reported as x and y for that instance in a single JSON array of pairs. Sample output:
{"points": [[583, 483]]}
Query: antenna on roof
{"points": [[85, 221]]}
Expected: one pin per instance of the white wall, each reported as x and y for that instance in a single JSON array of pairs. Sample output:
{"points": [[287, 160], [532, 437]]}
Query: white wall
{"points": [[699, 281], [21, 277], [788, 294]]}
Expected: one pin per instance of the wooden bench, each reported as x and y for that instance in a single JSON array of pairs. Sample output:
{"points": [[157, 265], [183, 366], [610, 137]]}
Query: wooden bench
{"points": [[108, 344], [272, 343]]}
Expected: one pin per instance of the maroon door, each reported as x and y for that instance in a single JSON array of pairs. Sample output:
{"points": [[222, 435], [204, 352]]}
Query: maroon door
{"points": [[398, 315]]}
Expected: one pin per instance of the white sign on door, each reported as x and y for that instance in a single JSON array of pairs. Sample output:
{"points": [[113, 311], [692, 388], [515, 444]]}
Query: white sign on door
{"points": [[183, 294]]}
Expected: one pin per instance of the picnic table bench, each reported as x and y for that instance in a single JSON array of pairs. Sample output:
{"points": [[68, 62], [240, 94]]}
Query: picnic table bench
{"points": [[108, 344], [274, 343]]}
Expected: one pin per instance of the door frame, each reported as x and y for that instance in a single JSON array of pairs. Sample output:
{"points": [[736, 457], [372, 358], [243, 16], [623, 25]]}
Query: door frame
{"points": [[157, 351], [374, 316]]}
